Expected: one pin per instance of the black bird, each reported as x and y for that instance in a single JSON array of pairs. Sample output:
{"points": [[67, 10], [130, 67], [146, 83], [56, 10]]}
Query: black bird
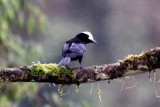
{"points": [[75, 48]]}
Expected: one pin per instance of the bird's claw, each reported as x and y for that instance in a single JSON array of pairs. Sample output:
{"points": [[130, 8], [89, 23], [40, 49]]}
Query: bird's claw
{"points": [[68, 67], [81, 66]]}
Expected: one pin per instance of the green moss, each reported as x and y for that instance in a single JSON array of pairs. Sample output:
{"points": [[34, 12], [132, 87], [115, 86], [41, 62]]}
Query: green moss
{"points": [[146, 61], [131, 57], [44, 70]]}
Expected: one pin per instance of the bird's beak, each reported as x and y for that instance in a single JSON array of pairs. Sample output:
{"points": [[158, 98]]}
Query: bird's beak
{"points": [[94, 41]]}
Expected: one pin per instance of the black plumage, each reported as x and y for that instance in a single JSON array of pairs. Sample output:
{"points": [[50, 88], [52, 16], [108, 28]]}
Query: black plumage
{"points": [[75, 48]]}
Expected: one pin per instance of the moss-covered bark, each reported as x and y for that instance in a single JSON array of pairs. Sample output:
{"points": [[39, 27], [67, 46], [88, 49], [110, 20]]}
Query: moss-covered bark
{"points": [[37, 72], [45, 70]]}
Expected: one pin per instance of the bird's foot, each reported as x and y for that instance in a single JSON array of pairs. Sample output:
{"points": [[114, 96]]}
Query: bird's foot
{"points": [[81, 66], [68, 67]]}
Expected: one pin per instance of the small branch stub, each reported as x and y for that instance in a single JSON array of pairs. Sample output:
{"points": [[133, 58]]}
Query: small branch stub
{"points": [[133, 64]]}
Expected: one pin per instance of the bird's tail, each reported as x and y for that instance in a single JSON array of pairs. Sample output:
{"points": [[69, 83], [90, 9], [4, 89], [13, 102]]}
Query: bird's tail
{"points": [[65, 61]]}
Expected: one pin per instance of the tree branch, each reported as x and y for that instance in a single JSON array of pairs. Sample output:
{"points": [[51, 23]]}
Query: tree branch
{"points": [[133, 64]]}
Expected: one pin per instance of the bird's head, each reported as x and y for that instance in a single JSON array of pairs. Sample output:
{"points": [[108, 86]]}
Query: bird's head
{"points": [[86, 37]]}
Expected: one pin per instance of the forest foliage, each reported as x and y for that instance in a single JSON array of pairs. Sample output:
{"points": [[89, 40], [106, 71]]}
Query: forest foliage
{"points": [[15, 17], [18, 18]]}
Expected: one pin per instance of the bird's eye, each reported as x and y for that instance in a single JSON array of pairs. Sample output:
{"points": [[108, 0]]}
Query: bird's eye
{"points": [[87, 36]]}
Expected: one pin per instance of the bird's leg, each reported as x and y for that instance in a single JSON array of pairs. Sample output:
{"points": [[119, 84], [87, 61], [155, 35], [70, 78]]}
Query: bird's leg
{"points": [[68, 67], [80, 61], [81, 65]]}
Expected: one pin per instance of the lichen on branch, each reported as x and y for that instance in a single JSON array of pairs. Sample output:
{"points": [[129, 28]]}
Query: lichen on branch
{"points": [[133, 64]]}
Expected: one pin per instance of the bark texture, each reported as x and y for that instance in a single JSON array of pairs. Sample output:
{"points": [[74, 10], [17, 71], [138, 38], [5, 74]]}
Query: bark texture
{"points": [[133, 64]]}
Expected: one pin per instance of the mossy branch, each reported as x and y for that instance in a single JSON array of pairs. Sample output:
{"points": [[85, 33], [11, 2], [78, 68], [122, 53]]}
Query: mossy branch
{"points": [[133, 64]]}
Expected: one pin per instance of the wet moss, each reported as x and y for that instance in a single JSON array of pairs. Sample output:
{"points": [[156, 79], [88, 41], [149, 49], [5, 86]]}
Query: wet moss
{"points": [[51, 70], [146, 61]]}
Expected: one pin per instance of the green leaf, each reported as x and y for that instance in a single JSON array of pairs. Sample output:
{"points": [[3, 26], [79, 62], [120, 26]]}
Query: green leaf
{"points": [[3, 36], [42, 26], [20, 20], [10, 14], [15, 4], [31, 24]]}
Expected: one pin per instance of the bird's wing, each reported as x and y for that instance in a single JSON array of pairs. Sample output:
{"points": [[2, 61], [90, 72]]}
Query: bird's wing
{"points": [[78, 48], [73, 49], [65, 49]]}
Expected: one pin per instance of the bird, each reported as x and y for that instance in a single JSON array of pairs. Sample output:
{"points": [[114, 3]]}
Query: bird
{"points": [[75, 48]]}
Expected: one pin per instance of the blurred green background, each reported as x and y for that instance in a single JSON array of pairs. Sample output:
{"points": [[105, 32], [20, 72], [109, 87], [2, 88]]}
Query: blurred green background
{"points": [[35, 30]]}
